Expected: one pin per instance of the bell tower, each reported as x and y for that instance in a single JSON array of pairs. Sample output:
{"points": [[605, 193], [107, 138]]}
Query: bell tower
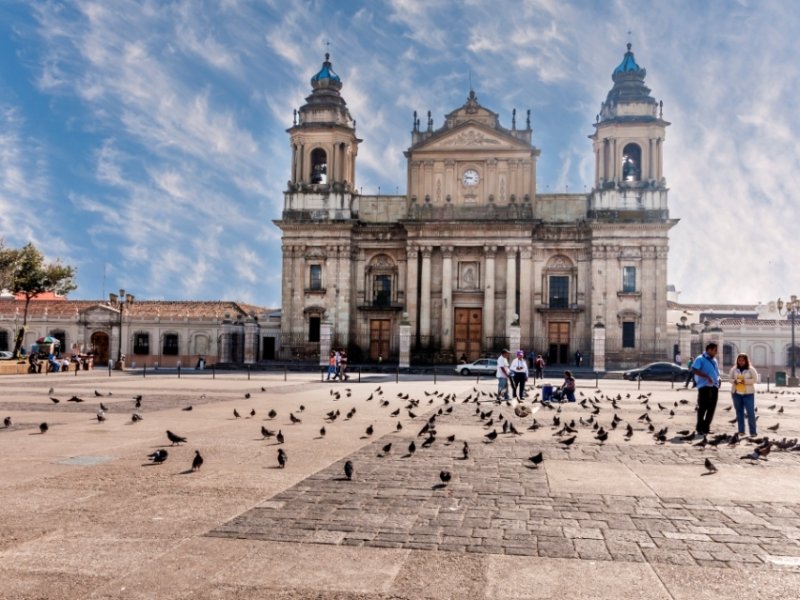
{"points": [[323, 138], [628, 141]]}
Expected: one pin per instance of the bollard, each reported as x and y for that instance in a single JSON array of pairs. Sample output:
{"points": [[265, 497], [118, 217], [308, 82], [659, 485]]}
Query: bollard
{"points": [[285, 372], [767, 382], [248, 372], [179, 371], [322, 374], [109, 368], [397, 376], [359, 374], [144, 370], [77, 368], [673, 382], [213, 372], [478, 380], [434, 375], [596, 380], [639, 382]]}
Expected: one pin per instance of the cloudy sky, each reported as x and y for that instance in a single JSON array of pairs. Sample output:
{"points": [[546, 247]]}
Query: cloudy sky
{"points": [[144, 142]]}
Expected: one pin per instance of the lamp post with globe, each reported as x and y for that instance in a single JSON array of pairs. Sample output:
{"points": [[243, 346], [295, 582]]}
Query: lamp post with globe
{"points": [[791, 308]]}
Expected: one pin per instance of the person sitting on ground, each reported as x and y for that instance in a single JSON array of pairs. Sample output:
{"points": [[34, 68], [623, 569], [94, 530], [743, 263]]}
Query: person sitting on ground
{"points": [[568, 387]]}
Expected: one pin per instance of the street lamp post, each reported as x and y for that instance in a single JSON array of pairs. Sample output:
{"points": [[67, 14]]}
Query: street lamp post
{"points": [[792, 307], [121, 302]]}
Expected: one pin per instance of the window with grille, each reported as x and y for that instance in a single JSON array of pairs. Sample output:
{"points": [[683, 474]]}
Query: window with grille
{"points": [[559, 291], [170, 347], [382, 290], [141, 343]]}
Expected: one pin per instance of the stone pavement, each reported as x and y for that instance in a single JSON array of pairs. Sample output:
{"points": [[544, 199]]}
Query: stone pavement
{"points": [[83, 515]]}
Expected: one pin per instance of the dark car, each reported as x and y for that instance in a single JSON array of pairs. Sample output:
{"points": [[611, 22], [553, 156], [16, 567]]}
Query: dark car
{"points": [[657, 371]]}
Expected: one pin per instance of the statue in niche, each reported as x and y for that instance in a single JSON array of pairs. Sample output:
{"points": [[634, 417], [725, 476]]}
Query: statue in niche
{"points": [[469, 276]]}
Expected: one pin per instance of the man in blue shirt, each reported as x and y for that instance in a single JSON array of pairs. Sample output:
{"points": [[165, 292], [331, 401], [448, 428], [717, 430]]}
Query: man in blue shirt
{"points": [[706, 376]]}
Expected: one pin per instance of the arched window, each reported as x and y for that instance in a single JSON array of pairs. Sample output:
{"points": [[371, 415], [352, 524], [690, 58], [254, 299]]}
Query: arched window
{"points": [[319, 166], [631, 163], [728, 354], [381, 280]]}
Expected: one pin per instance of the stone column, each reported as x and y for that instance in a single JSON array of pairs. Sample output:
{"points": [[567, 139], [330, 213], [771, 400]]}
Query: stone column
{"points": [[411, 287], [511, 285], [425, 295], [525, 293], [684, 341], [599, 348], [447, 297], [225, 342], [488, 294], [250, 342], [405, 342], [325, 336], [513, 338]]}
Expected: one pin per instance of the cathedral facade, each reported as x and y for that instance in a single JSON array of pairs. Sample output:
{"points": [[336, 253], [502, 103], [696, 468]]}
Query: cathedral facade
{"points": [[473, 250]]}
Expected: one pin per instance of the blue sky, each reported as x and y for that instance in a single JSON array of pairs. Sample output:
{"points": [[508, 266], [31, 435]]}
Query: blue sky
{"points": [[146, 140]]}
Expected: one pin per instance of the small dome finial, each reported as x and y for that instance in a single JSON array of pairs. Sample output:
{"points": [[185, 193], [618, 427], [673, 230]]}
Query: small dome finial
{"points": [[629, 46], [328, 55]]}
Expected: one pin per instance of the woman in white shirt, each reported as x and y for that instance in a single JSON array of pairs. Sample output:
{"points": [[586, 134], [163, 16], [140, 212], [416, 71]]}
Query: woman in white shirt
{"points": [[743, 379], [519, 371]]}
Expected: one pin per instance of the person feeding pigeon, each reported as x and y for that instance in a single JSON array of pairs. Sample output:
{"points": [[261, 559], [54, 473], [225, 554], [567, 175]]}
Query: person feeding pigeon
{"points": [[743, 378], [706, 375]]}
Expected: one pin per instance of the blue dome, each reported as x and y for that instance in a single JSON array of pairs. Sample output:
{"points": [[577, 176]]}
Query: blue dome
{"points": [[628, 64], [326, 76]]}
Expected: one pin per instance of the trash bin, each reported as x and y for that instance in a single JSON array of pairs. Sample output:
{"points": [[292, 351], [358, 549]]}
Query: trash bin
{"points": [[547, 393], [780, 378]]}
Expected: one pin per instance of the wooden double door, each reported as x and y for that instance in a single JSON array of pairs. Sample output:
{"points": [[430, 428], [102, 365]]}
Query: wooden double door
{"points": [[558, 342], [468, 332], [380, 337]]}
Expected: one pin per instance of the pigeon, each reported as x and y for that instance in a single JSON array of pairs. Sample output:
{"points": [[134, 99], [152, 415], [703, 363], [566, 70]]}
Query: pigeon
{"points": [[451, 438], [51, 391], [445, 476], [322, 431], [491, 436], [568, 441], [175, 439], [188, 408], [702, 443], [76, 399], [7, 422], [252, 412], [399, 426], [103, 407], [369, 430], [536, 459], [294, 419], [465, 451], [43, 427], [774, 427], [100, 416], [159, 456], [348, 470], [710, 468], [98, 394], [412, 447], [136, 417], [281, 458], [138, 400], [247, 396], [386, 449], [394, 413], [54, 400], [272, 414], [302, 408], [429, 441], [601, 436], [236, 413], [265, 433], [280, 437], [197, 462]]}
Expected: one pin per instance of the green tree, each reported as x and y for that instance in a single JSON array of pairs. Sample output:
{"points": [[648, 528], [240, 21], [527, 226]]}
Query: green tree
{"points": [[32, 276], [8, 258]]}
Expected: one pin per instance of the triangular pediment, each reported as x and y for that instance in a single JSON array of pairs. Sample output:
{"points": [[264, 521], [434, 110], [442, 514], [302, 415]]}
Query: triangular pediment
{"points": [[99, 312], [470, 136]]}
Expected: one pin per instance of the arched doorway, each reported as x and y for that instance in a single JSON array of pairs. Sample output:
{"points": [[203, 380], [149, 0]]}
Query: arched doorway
{"points": [[99, 341]]}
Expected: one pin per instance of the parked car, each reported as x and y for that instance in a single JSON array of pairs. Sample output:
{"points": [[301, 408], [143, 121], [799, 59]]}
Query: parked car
{"points": [[6, 355], [482, 366], [657, 371]]}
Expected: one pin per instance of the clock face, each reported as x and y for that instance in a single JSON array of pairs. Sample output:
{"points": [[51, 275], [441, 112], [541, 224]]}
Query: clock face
{"points": [[470, 178]]}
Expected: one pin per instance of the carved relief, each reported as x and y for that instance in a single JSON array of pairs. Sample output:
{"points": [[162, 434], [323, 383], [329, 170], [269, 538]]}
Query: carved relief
{"points": [[559, 261], [471, 138], [468, 275]]}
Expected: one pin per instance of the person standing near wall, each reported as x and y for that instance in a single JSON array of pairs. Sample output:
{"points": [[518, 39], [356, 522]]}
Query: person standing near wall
{"points": [[706, 376]]}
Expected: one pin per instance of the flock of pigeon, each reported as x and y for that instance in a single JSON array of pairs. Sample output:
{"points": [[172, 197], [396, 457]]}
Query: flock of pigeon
{"points": [[491, 419]]}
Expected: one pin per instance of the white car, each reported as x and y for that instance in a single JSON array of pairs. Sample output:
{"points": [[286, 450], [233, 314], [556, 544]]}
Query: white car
{"points": [[482, 366]]}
